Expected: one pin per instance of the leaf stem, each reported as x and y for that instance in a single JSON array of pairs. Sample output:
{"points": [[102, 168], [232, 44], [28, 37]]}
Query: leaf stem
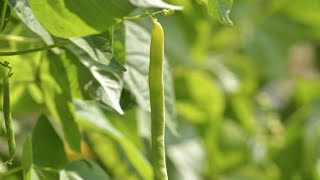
{"points": [[144, 15], [3, 14], [35, 49]]}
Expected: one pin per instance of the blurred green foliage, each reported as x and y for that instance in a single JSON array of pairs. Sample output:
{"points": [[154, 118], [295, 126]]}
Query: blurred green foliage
{"points": [[242, 101]]}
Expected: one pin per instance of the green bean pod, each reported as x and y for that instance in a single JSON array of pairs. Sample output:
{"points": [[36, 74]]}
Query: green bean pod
{"points": [[156, 89], [8, 119]]}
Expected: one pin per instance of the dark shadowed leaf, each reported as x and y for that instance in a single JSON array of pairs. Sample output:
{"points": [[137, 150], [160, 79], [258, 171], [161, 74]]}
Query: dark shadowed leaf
{"points": [[47, 147]]}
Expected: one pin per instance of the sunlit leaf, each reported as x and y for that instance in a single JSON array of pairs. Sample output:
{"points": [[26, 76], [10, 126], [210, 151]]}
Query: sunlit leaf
{"points": [[81, 18], [58, 95], [23, 10]]}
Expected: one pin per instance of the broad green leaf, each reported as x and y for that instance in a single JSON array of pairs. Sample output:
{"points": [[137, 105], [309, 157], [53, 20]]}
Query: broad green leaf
{"points": [[58, 94], [23, 10], [154, 4], [99, 48], [220, 9], [47, 147], [93, 119], [83, 170], [109, 78], [7, 15], [26, 160], [67, 18], [136, 77]]}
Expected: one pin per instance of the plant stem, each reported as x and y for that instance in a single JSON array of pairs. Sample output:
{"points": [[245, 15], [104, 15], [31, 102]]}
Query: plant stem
{"points": [[3, 14], [35, 49]]}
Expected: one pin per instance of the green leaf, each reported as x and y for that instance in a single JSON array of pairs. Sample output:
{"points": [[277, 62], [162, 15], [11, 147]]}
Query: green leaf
{"points": [[23, 10], [58, 94], [136, 77], [67, 18], [154, 4], [26, 160], [99, 48], [83, 170], [220, 9], [93, 119], [47, 147], [109, 78]]}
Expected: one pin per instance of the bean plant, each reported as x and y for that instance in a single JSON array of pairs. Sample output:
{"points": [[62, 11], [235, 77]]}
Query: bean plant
{"points": [[159, 89]]}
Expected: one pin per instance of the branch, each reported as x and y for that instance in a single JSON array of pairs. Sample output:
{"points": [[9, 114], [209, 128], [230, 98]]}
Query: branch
{"points": [[35, 49]]}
